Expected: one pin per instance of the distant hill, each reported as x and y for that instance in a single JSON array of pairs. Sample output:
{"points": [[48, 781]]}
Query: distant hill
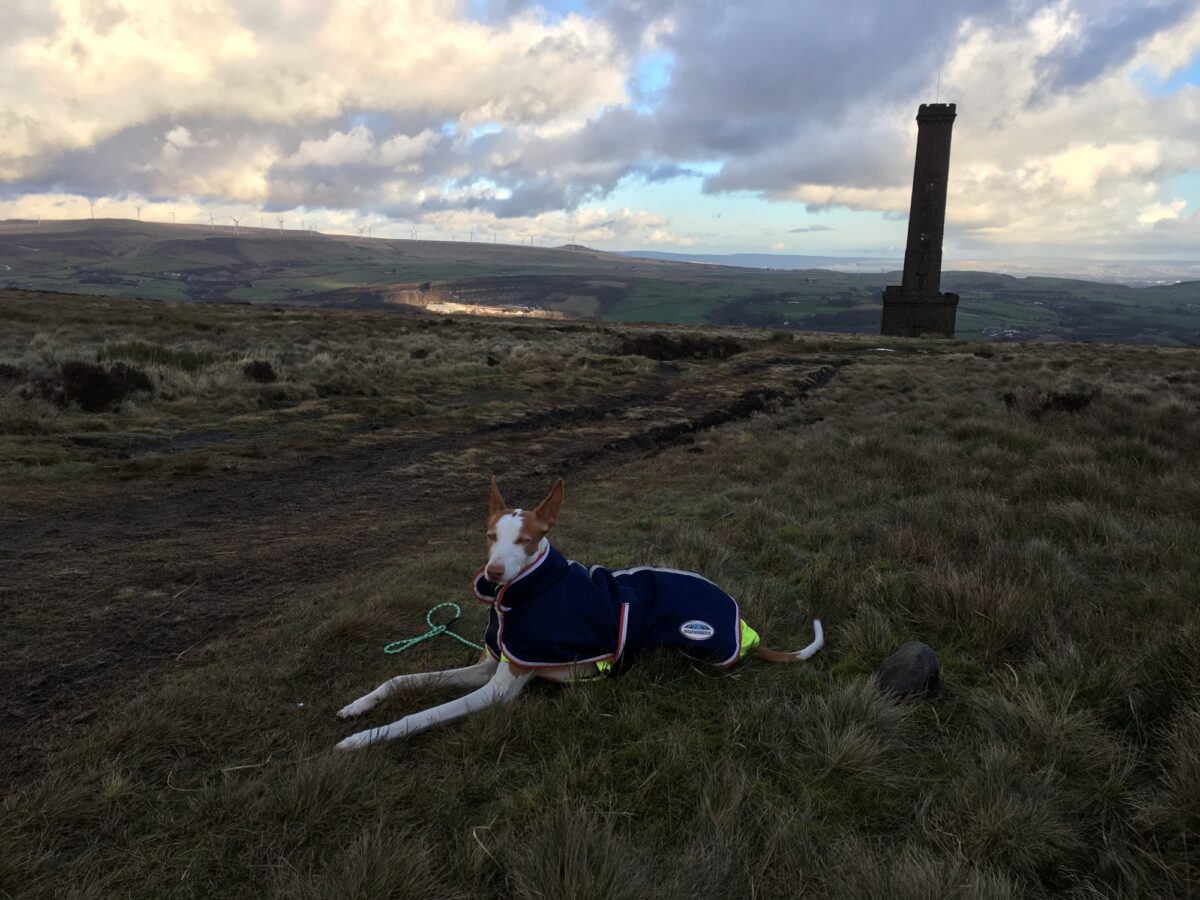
{"points": [[1132, 273], [201, 263], [774, 260]]}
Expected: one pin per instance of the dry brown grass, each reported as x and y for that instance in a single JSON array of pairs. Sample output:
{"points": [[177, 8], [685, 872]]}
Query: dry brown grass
{"points": [[339, 377], [1049, 559]]}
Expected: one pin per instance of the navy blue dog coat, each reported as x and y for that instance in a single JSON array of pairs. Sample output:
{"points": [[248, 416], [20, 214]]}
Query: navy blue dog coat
{"points": [[556, 612]]}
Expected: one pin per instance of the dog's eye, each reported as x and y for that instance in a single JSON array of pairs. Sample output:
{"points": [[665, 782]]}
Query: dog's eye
{"points": [[491, 535]]}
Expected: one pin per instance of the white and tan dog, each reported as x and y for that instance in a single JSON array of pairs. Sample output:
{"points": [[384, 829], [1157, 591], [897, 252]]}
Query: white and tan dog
{"points": [[552, 618]]}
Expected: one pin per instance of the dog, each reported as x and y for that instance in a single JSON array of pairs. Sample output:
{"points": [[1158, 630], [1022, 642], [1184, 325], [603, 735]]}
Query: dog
{"points": [[549, 617]]}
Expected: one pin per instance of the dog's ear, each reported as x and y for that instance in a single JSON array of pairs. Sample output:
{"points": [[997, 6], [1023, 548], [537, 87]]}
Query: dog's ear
{"points": [[547, 510], [495, 502]]}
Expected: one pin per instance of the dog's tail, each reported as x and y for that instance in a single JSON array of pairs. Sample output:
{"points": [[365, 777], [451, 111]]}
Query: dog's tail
{"points": [[800, 655]]}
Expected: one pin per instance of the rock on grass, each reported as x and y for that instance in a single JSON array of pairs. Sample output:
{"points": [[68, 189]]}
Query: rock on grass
{"points": [[912, 671]]}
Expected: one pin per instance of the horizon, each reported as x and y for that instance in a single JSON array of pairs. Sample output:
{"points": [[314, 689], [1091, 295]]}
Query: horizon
{"points": [[666, 126], [1136, 272]]}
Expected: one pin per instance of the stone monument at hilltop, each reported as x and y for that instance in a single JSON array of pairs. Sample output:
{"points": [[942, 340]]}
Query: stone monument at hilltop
{"points": [[917, 307]]}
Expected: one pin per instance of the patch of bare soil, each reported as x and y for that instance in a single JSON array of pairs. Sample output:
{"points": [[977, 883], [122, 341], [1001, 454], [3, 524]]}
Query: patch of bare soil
{"points": [[685, 346], [99, 593], [562, 417], [743, 406]]}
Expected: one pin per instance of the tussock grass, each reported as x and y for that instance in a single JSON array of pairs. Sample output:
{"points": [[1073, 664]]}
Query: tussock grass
{"points": [[871, 872], [182, 357], [377, 864], [268, 379], [1049, 559]]}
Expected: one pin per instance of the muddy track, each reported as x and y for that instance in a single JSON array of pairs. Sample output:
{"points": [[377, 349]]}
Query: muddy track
{"points": [[577, 415], [219, 555], [746, 405]]}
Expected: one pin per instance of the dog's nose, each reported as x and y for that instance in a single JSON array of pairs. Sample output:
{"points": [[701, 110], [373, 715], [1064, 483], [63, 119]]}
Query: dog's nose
{"points": [[494, 571]]}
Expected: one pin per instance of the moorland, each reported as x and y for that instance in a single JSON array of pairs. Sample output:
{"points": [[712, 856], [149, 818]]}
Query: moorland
{"points": [[214, 516], [202, 263]]}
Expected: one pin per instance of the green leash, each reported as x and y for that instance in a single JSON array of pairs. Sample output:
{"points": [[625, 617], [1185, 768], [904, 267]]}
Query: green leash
{"points": [[434, 631]]}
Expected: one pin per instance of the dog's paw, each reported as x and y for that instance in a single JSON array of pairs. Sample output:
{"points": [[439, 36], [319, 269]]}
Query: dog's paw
{"points": [[355, 741], [357, 708]]}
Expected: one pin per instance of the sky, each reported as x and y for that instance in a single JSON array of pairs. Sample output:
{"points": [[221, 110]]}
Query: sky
{"points": [[763, 126]]}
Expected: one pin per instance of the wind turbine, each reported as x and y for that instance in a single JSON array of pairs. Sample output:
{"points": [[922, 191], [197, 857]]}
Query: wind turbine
{"points": [[472, 235], [369, 227], [281, 221], [139, 209], [236, 224], [92, 204], [360, 231], [211, 227], [172, 217]]}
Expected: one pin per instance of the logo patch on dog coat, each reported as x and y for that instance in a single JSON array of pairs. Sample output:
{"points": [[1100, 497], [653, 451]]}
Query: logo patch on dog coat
{"points": [[695, 630]]}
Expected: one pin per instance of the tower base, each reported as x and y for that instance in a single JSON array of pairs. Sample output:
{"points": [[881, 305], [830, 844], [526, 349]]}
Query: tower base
{"points": [[914, 315]]}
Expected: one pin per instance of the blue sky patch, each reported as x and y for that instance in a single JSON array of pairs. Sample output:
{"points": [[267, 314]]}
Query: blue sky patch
{"points": [[560, 9], [741, 221], [486, 128], [1184, 187], [1150, 81], [651, 79]]}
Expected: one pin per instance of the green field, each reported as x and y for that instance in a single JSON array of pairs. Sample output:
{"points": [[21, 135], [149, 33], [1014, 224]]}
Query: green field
{"points": [[187, 262], [673, 302]]}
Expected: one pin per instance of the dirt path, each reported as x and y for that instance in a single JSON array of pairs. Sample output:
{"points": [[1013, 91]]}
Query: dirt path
{"points": [[96, 594]]}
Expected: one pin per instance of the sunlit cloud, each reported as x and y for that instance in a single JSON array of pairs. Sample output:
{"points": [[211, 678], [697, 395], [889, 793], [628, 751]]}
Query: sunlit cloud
{"points": [[1078, 121]]}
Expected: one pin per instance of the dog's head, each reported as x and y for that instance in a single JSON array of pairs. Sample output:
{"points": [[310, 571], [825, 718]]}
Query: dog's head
{"points": [[514, 536]]}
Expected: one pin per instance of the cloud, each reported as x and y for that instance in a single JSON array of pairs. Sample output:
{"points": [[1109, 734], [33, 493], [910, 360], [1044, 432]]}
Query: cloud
{"points": [[91, 76], [807, 229], [26, 19], [358, 146], [178, 138], [506, 115], [1109, 37], [1055, 140], [337, 149], [1087, 168]]}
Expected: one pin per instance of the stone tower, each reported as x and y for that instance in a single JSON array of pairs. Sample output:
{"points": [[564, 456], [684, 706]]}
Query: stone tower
{"points": [[917, 307]]}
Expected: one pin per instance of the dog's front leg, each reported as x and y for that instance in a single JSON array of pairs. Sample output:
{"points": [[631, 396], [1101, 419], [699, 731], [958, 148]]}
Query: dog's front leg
{"points": [[503, 687], [470, 676]]}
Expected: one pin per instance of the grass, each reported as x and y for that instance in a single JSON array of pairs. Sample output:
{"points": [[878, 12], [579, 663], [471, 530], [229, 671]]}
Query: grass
{"points": [[174, 263], [330, 390], [673, 302], [1048, 555]]}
